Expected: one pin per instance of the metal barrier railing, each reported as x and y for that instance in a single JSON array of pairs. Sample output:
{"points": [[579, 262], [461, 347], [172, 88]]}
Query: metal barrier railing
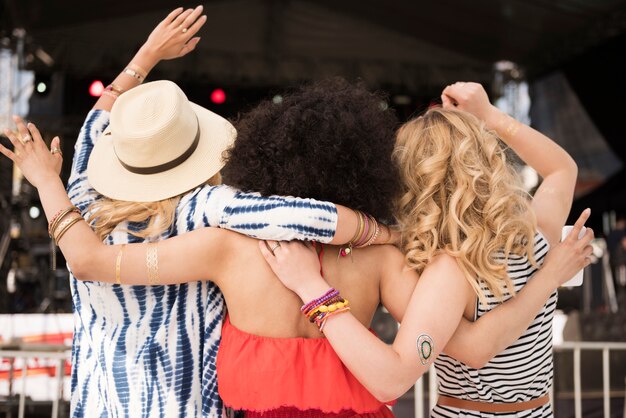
{"points": [[61, 357], [575, 347], [419, 398]]}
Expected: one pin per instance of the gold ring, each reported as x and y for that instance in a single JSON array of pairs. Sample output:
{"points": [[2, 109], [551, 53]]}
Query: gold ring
{"points": [[26, 138], [56, 150], [184, 30], [275, 247]]}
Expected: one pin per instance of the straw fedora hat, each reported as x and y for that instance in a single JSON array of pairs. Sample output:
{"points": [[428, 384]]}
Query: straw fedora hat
{"points": [[158, 145]]}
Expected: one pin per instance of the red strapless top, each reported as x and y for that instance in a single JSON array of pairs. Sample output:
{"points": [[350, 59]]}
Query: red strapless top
{"points": [[263, 374]]}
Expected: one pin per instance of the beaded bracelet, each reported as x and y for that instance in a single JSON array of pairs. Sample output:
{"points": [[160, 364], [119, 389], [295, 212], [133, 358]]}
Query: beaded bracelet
{"points": [[316, 302], [319, 310], [323, 321]]}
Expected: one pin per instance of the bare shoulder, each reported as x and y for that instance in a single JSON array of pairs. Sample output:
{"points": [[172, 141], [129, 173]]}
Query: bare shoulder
{"points": [[387, 254], [444, 266]]}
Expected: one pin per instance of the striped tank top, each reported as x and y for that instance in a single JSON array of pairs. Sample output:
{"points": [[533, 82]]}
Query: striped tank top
{"points": [[521, 372]]}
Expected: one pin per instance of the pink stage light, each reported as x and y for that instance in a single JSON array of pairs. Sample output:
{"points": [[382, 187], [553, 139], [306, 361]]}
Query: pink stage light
{"points": [[218, 96], [96, 88]]}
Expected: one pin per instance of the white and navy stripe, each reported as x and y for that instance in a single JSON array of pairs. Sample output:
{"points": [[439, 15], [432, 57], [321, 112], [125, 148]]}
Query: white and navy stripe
{"points": [[521, 372], [143, 351]]}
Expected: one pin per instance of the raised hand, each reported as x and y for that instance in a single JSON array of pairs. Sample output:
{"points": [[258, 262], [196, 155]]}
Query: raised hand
{"points": [[174, 36], [31, 154], [469, 97], [565, 259]]}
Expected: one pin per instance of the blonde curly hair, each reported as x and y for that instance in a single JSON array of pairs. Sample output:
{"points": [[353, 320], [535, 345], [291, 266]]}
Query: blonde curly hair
{"points": [[461, 197], [105, 214]]}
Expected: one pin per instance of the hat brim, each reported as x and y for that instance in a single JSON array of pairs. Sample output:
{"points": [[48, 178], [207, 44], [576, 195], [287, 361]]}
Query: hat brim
{"points": [[107, 175]]}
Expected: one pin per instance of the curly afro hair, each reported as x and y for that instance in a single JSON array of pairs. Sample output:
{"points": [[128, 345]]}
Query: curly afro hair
{"points": [[331, 140]]}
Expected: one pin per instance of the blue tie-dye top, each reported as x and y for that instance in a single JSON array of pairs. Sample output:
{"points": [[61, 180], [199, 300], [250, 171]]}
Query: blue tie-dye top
{"points": [[143, 351]]}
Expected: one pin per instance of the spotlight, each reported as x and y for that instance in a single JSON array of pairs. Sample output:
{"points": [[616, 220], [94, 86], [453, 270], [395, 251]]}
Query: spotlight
{"points": [[43, 83], [34, 212], [96, 88], [218, 96]]}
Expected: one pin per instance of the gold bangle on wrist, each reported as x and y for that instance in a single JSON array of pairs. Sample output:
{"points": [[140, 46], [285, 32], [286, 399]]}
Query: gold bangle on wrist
{"points": [[70, 224], [136, 75], [118, 265], [138, 69], [152, 263]]}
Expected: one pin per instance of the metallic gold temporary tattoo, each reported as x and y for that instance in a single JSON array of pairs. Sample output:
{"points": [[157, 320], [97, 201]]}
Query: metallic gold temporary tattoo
{"points": [[425, 348]]}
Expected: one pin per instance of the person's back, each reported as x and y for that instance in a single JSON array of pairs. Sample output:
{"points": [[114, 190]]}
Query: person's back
{"points": [[259, 304], [270, 351], [520, 373], [331, 141]]}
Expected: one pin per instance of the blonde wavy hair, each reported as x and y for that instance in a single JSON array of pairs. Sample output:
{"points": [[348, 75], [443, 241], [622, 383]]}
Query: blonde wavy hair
{"points": [[105, 214], [461, 197]]}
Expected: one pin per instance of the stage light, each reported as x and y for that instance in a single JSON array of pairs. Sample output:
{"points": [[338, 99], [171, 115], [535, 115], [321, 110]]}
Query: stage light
{"points": [[218, 96], [42, 84], [278, 99], [34, 212], [96, 88]]}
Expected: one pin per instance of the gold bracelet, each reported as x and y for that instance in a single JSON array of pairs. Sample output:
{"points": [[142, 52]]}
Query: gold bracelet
{"points": [[73, 222], [52, 226], [111, 94], [118, 265], [152, 263], [359, 230], [133, 73], [61, 227], [115, 89], [138, 69], [511, 129]]}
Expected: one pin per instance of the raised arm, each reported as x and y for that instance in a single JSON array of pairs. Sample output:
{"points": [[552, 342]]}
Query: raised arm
{"points": [[553, 200], [167, 41], [200, 252]]}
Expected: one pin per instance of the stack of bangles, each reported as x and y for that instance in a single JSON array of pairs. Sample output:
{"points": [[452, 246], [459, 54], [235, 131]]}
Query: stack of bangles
{"points": [[368, 229], [319, 310], [60, 223]]}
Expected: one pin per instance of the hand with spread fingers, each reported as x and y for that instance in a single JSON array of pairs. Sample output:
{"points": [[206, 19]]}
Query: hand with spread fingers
{"points": [[174, 36], [31, 154]]}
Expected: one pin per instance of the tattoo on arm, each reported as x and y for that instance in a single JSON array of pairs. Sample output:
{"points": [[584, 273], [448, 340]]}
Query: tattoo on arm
{"points": [[425, 348]]}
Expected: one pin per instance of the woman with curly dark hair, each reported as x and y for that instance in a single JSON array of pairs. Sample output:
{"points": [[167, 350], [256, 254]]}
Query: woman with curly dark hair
{"points": [[332, 141]]}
